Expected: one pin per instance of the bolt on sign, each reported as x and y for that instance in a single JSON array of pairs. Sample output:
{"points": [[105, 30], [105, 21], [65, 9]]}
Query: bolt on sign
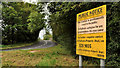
{"points": [[91, 33]]}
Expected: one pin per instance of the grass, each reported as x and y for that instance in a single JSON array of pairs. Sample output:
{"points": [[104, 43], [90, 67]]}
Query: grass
{"points": [[17, 45], [53, 56]]}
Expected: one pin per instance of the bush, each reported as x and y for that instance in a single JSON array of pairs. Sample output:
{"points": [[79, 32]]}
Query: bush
{"points": [[47, 37]]}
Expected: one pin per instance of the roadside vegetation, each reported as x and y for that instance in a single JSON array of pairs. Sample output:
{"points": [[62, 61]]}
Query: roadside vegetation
{"points": [[53, 56], [47, 35]]}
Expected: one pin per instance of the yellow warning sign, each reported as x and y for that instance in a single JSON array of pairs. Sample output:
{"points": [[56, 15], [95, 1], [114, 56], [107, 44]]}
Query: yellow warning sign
{"points": [[91, 33]]}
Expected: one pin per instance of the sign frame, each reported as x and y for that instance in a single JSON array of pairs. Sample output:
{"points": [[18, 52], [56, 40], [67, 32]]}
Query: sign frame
{"points": [[91, 14]]}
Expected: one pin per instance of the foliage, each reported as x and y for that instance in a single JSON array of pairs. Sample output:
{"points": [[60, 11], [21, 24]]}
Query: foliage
{"points": [[63, 24], [47, 37], [36, 21], [21, 22], [53, 56], [0, 11]]}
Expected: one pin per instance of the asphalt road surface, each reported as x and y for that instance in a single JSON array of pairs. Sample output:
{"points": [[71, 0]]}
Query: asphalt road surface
{"points": [[40, 44]]}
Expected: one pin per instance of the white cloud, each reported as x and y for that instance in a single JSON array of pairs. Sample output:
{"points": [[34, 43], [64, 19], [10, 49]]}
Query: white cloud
{"points": [[30, 1]]}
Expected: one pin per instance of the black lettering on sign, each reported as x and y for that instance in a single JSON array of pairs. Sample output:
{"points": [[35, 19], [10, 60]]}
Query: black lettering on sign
{"points": [[89, 40], [93, 12], [90, 36], [85, 45], [97, 40], [94, 51], [88, 45], [99, 37], [102, 40], [82, 37], [99, 55], [100, 51], [100, 26], [80, 45], [96, 26]]}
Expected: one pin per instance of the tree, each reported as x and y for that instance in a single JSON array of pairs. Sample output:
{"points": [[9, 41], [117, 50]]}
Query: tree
{"points": [[21, 22]]}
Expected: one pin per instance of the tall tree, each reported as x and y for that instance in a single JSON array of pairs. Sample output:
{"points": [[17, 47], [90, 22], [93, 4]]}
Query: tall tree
{"points": [[21, 22]]}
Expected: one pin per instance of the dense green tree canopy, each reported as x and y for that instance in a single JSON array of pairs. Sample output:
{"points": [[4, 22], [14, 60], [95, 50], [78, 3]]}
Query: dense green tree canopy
{"points": [[21, 22]]}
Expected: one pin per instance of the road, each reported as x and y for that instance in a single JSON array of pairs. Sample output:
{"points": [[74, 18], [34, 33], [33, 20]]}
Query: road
{"points": [[40, 44]]}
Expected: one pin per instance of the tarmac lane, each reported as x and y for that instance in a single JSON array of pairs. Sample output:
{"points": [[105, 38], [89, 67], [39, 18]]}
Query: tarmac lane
{"points": [[38, 45]]}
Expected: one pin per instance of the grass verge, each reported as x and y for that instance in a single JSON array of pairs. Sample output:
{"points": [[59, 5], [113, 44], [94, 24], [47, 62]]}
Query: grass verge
{"points": [[53, 56]]}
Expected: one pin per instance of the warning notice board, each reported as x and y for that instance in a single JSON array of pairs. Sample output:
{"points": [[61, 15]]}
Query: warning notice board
{"points": [[91, 33]]}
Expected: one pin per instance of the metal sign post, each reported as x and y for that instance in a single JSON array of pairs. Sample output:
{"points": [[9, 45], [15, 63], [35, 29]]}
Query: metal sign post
{"points": [[102, 63], [80, 61]]}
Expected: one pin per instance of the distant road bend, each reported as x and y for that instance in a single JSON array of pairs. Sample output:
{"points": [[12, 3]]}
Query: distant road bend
{"points": [[40, 44]]}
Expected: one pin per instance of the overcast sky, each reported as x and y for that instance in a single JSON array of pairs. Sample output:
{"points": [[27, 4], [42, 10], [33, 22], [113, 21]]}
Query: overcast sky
{"points": [[30, 1]]}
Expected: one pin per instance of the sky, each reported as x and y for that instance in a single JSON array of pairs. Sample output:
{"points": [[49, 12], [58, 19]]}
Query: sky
{"points": [[30, 0]]}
